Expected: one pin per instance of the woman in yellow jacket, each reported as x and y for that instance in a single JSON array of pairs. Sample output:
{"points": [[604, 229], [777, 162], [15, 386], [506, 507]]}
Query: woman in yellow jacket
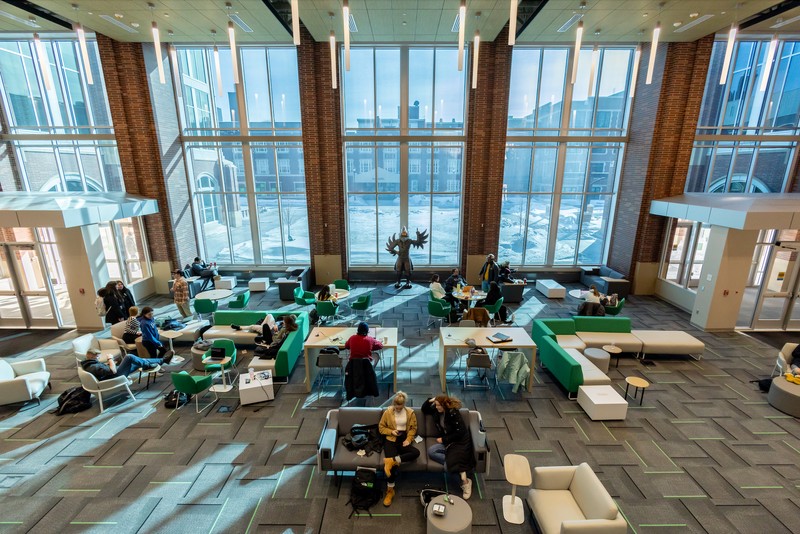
{"points": [[399, 428]]}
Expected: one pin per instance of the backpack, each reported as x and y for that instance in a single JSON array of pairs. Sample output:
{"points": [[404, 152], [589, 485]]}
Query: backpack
{"points": [[73, 400], [363, 437], [100, 306], [202, 344], [175, 399], [763, 384], [364, 491], [426, 496]]}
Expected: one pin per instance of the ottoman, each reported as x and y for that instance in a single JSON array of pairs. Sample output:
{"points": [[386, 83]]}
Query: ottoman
{"points": [[551, 289], [258, 284], [456, 520], [784, 396], [197, 359], [225, 282], [598, 357], [602, 403]]}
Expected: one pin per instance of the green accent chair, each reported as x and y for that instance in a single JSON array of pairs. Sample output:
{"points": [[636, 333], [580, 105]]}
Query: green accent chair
{"points": [[325, 308], [202, 306], [341, 284], [614, 310], [438, 311], [241, 300], [493, 309], [303, 298], [362, 305], [194, 385], [230, 351]]}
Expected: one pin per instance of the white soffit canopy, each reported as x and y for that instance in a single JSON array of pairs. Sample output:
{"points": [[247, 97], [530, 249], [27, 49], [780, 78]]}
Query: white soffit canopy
{"points": [[66, 210], [754, 211]]}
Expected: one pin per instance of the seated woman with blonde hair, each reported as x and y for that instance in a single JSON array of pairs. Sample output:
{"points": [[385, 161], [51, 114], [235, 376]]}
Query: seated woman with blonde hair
{"points": [[399, 428]]}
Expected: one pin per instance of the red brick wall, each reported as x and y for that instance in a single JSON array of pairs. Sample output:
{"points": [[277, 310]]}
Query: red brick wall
{"points": [[487, 116], [134, 127], [322, 149]]}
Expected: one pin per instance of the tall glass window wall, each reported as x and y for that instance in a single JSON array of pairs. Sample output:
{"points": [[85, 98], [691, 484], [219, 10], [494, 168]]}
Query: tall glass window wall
{"points": [[563, 153], [249, 192], [404, 127], [746, 139], [83, 158]]}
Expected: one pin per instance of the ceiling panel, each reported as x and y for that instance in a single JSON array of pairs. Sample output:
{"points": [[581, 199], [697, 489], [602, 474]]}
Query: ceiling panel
{"points": [[9, 24]]}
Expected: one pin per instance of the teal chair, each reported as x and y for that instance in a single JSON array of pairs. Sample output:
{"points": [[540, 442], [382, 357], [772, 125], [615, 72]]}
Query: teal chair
{"points": [[438, 312], [341, 284], [194, 385], [202, 306], [362, 305], [614, 310], [325, 308], [230, 351], [303, 298], [241, 300], [493, 309]]}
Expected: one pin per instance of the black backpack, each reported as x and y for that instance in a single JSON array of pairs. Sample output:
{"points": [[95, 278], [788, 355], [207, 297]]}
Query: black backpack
{"points": [[364, 492], [73, 400], [175, 399], [426, 496]]}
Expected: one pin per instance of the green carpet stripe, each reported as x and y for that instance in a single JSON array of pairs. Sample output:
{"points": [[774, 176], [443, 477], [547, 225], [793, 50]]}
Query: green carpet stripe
{"points": [[687, 422], [788, 445], [625, 517], [280, 477], [82, 490], [717, 376], [101, 428], [778, 417], [378, 515], [218, 516], [636, 453], [573, 411], [761, 487], [310, 478], [478, 485], [92, 522], [10, 522], [102, 466], [295, 407], [281, 426], [755, 402], [170, 482], [662, 524], [673, 382], [609, 431], [701, 439], [20, 439], [533, 450], [685, 496], [252, 517], [154, 453], [730, 388], [213, 424], [581, 429], [769, 433], [751, 363], [663, 472], [664, 453]]}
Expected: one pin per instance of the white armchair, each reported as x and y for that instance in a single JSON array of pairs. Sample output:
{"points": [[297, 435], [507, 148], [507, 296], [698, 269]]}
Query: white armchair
{"points": [[785, 360], [571, 499], [22, 381], [116, 334], [97, 387], [108, 347]]}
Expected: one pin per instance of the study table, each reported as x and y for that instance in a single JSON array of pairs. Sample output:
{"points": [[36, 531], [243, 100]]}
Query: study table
{"points": [[454, 337], [336, 336]]}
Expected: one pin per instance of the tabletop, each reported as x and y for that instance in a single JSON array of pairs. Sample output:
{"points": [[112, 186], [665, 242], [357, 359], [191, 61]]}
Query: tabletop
{"points": [[224, 361], [635, 381], [455, 336], [478, 295], [517, 469], [339, 294], [214, 294], [174, 334], [612, 349], [326, 336]]}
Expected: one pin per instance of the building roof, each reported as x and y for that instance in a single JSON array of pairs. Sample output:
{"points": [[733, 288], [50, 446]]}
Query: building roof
{"points": [[753, 211], [69, 209]]}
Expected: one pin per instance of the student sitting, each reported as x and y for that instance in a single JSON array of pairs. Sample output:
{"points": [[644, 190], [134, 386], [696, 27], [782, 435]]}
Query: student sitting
{"points": [[128, 365], [361, 344], [132, 330]]}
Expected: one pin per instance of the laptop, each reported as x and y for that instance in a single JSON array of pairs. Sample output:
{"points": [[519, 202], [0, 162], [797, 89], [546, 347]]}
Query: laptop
{"points": [[217, 353], [499, 337]]}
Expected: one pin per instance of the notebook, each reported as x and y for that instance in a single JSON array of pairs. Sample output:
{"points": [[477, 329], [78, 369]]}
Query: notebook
{"points": [[499, 337]]}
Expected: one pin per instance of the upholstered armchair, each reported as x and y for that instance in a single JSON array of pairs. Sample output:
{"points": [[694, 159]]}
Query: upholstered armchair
{"points": [[22, 381], [108, 347]]}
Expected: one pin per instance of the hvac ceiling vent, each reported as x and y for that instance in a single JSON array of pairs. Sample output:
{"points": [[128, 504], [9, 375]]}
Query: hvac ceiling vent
{"points": [[695, 22], [242, 24], [119, 24]]}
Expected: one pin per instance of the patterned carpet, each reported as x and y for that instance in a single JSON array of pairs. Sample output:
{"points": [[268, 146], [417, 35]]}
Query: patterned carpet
{"points": [[705, 452]]}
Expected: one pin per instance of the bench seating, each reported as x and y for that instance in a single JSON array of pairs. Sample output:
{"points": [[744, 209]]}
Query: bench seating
{"points": [[333, 456]]}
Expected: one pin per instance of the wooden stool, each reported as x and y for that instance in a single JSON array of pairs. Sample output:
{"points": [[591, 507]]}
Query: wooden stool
{"points": [[518, 473], [149, 372], [638, 384]]}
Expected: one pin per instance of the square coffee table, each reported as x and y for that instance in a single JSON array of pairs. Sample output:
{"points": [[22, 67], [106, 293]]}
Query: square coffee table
{"points": [[258, 390], [602, 403]]}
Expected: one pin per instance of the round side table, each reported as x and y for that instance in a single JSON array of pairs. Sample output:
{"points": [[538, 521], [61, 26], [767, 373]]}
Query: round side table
{"points": [[614, 351], [456, 520], [638, 384]]}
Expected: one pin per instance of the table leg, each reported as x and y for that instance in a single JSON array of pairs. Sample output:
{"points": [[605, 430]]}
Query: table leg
{"points": [[617, 365], [641, 398], [308, 371], [395, 370], [172, 348], [626, 389]]}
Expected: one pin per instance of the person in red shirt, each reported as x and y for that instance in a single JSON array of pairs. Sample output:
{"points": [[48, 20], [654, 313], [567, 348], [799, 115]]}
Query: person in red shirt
{"points": [[362, 344]]}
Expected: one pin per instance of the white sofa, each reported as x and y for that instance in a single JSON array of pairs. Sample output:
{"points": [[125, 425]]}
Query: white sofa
{"points": [[669, 342], [571, 499], [592, 375], [22, 381]]}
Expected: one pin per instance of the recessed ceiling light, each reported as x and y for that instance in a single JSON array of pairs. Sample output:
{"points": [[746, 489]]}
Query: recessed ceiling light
{"points": [[645, 14], [694, 15], [677, 23], [782, 23], [119, 15], [242, 24], [135, 24], [166, 15]]}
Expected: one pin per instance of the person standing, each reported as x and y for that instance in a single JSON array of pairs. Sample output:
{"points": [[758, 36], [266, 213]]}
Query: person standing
{"points": [[489, 272], [114, 303], [127, 297], [150, 336], [399, 428], [180, 294]]}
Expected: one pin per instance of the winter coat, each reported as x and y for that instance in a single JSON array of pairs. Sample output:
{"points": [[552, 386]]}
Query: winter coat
{"points": [[479, 315], [114, 308], [388, 424], [456, 437], [513, 366], [494, 272], [359, 379]]}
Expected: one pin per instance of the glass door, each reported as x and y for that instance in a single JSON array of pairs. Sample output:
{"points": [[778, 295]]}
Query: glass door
{"points": [[30, 302], [777, 303]]}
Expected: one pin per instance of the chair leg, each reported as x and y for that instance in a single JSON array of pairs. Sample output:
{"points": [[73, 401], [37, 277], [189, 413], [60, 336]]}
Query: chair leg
{"points": [[197, 402], [130, 392], [100, 400]]}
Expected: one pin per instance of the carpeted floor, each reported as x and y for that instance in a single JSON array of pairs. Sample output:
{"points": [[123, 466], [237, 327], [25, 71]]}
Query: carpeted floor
{"points": [[705, 453]]}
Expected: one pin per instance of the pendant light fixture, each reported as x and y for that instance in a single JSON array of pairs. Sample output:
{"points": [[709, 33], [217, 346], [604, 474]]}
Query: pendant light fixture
{"points": [[593, 69], [217, 69], [295, 23], [726, 64], [512, 23], [232, 43], [475, 48], [44, 63], [346, 20], [333, 60], [157, 44], [653, 49], [87, 68], [577, 52], [462, 14], [637, 56], [773, 46]]}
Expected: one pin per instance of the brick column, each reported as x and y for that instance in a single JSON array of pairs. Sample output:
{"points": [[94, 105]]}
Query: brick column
{"points": [[484, 160], [322, 149], [134, 126], [656, 163]]}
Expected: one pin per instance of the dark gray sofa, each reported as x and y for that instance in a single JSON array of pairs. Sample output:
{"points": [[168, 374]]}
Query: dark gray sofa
{"points": [[512, 293], [607, 281], [333, 456], [295, 277]]}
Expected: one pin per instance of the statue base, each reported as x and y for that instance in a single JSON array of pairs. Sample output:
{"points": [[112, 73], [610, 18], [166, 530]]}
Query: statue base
{"points": [[404, 290]]}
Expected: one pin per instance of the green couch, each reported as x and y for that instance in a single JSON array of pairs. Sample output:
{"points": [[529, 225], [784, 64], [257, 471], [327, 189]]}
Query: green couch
{"points": [[560, 363], [291, 349]]}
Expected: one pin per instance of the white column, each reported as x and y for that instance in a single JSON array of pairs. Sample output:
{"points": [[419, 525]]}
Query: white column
{"points": [[85, 269]]}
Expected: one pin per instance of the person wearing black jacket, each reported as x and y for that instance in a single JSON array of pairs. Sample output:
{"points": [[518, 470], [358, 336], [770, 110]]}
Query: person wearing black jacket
{"points": [[359, 379], [453, 280], [127, 298], [453, 447], [114, 302], [489, 272], [129, 364]]}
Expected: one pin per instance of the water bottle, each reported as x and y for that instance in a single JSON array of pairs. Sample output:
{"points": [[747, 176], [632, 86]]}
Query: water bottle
{"points": [[525, 281], [252, 374]]}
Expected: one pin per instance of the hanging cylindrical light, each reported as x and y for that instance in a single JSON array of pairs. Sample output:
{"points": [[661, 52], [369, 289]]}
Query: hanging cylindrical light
{"points": [[512, 23], [653, 49], [475, 48], [773, 46], [217, 70], [234, 55], [726, 64], [593, 70], [637, 56], [346, 19], [295, 23], [87, 68], [577, 52], [44, 63], [159, 60], [333, 60], [462, 15]]}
